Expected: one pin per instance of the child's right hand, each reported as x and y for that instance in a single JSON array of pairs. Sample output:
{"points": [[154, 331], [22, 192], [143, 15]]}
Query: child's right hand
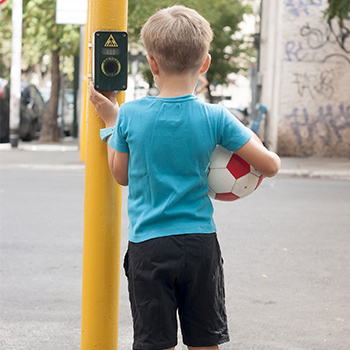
{"points": [[106, 108]]}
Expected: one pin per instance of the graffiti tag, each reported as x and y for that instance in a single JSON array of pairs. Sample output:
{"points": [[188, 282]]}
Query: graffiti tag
{"points": [[320, 84], [294, 51], [329, 122], [298, 7]]}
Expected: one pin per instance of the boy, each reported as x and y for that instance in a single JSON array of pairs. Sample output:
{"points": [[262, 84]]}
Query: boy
{"points": [[160, 147]]}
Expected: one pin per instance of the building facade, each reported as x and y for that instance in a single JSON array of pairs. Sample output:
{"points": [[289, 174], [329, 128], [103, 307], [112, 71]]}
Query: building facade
{"points": [[304, 79]]}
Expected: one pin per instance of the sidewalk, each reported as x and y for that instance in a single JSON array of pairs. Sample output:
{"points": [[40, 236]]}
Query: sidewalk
{"points": [[67, 154], [333, 168]]}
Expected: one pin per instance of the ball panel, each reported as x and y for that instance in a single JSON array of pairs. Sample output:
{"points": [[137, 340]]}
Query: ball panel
{"points": [[230, 177], [238, 166], [254, 171], [260, 181], [211, 193], [227, 197], [221, 180], [219, 158], [245, 185]]}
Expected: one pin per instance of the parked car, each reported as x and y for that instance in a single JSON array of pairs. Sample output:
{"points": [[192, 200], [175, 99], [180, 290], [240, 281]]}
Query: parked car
{"points": [[65, 110], [32, 108]]}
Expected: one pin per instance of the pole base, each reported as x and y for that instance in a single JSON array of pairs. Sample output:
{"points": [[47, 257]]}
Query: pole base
{"points": [[14, 141]]}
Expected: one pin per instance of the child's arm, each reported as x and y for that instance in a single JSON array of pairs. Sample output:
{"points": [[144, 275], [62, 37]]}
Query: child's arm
{"points": [[266, 162], [118, 163], [108, 109]]}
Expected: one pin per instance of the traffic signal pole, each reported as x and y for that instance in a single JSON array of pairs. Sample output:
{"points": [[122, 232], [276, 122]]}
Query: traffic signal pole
{"points": [[84, 83], [102, 210]]}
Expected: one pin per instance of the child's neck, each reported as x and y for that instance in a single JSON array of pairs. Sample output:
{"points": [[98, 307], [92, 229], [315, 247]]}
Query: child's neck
{"points": [[176, 85]]}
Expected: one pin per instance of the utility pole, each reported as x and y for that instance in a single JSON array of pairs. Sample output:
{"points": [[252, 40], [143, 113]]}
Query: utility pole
{"points": [[102, 214], [16, 56]]}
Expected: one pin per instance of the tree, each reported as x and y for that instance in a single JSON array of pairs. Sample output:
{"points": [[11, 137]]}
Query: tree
{"points": [[43, 33], [338, 8], [229, 53], [5, 40], [41, 37]]}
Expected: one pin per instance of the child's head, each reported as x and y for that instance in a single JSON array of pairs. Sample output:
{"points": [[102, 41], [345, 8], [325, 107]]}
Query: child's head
{"points": [[178, 38]]}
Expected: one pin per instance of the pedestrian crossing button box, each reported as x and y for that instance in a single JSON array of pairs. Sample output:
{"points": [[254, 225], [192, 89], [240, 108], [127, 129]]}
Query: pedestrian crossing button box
{"points": [[110, 60]]}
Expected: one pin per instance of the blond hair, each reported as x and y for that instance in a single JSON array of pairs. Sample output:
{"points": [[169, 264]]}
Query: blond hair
{"points": [[178, 37]]}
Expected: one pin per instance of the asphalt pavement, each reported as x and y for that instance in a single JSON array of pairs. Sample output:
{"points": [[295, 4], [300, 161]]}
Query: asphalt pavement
{"points": [[67, 154], [288, 290]]}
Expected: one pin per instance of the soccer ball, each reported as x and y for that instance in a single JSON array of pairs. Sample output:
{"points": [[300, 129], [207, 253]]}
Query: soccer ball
{"points": [[231, 177]]}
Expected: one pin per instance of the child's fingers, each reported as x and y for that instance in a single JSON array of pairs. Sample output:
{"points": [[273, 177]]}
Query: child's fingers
{"points": [[95, 96], [112, 97], [92, 92]]}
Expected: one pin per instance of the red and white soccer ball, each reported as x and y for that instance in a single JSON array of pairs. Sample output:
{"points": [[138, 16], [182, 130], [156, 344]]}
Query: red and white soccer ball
{"points": [[231, 177]]}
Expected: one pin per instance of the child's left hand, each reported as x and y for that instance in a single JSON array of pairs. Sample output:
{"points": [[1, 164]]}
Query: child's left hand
{"points": [[106, 108]]}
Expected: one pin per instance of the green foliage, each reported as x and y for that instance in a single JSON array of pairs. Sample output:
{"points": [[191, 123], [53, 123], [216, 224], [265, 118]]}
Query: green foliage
{"points": [[41, 35], [40, 28], [5, 40], [338, 8], [147, 74], [229, 54]]}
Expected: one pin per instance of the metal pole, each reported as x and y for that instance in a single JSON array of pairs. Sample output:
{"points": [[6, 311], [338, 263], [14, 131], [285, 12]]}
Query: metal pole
{"points": [[76, 89], [84, 82], [16, 56], [101, 260]]}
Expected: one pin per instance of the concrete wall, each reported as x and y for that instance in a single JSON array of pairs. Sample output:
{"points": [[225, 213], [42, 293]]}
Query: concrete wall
{"points": [[305, 67]]}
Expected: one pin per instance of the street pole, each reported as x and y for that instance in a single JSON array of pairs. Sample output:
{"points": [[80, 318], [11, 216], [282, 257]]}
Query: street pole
{"points": [[76, 89], [102, 214], [16, 56], [83, 118]]}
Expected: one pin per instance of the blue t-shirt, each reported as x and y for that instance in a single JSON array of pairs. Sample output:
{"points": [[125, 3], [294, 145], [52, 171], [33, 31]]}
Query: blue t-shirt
{"points": [[170, 141]]}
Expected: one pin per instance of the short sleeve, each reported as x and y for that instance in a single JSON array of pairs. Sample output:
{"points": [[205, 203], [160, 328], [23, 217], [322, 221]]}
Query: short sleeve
{"points": [[234, 134], [118, 138]]}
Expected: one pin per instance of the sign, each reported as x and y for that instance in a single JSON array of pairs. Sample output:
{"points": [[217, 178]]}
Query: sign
{"points": [[71, 12], [111, 42], [110, 60]]}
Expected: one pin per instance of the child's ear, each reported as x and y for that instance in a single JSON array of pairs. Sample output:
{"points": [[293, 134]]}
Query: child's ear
{"points": [[206, 64], [153, 64]]}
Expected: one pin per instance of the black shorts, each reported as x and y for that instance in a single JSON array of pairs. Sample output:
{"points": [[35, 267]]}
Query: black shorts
{"points": [[180, 273]]}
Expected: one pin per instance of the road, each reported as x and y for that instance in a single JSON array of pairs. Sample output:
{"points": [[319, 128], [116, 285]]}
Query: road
{"points": [[286, 250]]}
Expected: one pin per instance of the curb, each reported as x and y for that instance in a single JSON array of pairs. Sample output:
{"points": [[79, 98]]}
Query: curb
{"points": [[315, 174], [43, 167], [42, 148], [337, 170]]}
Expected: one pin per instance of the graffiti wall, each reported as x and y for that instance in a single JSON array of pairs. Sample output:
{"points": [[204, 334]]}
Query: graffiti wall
{"points": [[314, 111]]}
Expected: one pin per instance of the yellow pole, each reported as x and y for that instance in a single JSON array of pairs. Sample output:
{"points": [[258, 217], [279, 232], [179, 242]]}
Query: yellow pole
{"points": [[84, 95], [101, 260]]}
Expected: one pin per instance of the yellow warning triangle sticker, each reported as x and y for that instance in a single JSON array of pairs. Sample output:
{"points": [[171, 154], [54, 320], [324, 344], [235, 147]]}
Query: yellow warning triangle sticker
{"points": [[111, 42]]}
